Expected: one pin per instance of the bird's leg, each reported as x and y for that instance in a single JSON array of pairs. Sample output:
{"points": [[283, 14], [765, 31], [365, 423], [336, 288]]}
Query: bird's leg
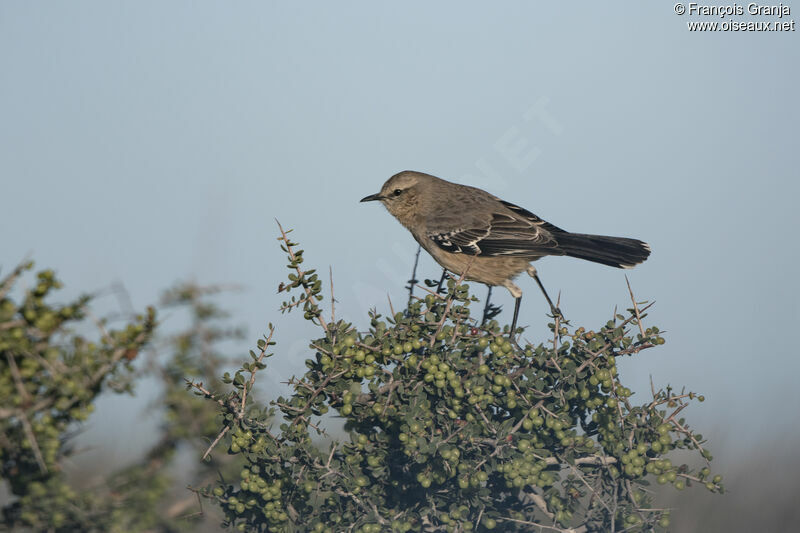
{"points": [[517, 301], [486, 306], [517, 294], [441, 281], [553, 309]]}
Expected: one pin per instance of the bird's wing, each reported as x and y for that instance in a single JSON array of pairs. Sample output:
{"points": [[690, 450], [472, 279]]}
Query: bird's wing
{"points": [[512, 231]]}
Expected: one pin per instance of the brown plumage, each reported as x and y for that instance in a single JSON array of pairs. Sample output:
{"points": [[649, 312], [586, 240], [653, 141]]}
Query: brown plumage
{"points": [[466, 228]]}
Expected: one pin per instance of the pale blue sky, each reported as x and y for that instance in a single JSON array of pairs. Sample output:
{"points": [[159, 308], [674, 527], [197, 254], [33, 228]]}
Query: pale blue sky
{"points": [[151, 141]]}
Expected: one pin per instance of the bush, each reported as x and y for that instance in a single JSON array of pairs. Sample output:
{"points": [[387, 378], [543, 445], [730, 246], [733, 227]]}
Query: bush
{"points": [[452, 426], [50, 379]]}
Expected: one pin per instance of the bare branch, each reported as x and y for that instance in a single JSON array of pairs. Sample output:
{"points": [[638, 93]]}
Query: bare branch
{"points": [[23, 417]]}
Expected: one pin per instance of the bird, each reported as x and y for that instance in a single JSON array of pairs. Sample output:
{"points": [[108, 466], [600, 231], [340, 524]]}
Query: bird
{"points": [[475, 234]]}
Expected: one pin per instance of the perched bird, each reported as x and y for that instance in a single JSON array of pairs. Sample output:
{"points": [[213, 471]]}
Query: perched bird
{"points": [[467, 229]]}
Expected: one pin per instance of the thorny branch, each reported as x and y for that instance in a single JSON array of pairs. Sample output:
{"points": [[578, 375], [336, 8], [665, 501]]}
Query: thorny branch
{"points": [[309, 294]]}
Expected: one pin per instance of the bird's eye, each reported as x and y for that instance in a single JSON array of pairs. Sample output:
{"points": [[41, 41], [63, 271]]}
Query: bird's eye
{"points": [[397, 192]]}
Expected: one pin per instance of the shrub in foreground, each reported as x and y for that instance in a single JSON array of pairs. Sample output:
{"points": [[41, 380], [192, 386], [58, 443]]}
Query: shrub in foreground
{"points": [[452, 426]]}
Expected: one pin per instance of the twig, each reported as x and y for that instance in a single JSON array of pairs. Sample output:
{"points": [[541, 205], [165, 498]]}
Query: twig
{"points": [[450, 300], [317, 393], [614, 507], [388, 396], [55, 372], [365, 397], [330, 457], [635, 307], [688, 433], [580, 529], [300, 273], [431, 292], [23, 417], [556, 334], [361, 504], [540, 503], [607, 344], [8, 281], [206, 393], [242, 404], [480, 514], [12, 324], [178, 507], [453, 434], [488, 424], [249, 385], [333, 298], [118, 354], [583, 479], [213, 444], [631, 497], [413, 281]]}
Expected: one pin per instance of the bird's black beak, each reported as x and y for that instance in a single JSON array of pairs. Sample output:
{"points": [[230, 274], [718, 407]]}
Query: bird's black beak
{"points": [[372, 197]]}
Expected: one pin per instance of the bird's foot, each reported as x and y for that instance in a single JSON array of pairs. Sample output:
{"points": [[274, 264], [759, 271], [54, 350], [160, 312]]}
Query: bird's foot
{"points": [[512, 338]]}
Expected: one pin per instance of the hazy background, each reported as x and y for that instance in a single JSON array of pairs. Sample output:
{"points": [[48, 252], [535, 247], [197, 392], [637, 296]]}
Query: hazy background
{"points": [[151, 141]]}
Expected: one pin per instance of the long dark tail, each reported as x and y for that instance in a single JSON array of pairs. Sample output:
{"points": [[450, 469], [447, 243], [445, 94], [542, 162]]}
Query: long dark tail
{"points": [[618, 252]]}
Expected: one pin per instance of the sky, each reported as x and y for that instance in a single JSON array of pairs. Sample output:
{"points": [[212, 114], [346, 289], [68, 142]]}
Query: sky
{"points": [[150, 142]]}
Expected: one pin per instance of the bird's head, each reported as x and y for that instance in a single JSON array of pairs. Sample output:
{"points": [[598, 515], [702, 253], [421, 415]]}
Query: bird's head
{"points": [[400, 194]]}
